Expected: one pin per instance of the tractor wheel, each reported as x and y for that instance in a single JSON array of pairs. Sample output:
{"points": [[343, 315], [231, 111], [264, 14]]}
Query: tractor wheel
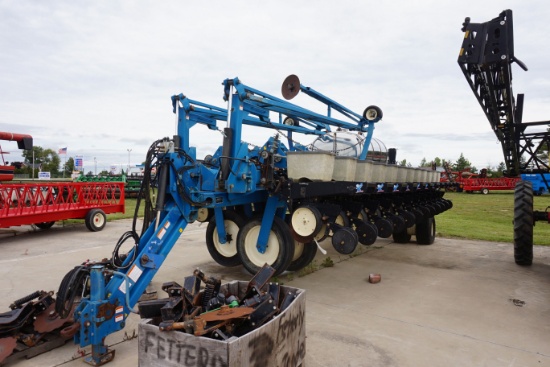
{"points": [[523, 223], [304, 253], [95, 220], [425, 232], [484, 191], [224, 254], [401, 237], [45, 225], [279, 250]]}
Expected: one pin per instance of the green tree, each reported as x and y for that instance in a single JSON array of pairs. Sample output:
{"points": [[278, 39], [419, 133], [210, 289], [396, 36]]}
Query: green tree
{"points": [[44, 160], [68, 167], [462, 163], [500, 169]]}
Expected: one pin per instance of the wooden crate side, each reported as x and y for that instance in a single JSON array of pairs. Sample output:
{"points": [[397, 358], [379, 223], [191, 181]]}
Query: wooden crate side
{"points": [[281, 342], [173, 348]]}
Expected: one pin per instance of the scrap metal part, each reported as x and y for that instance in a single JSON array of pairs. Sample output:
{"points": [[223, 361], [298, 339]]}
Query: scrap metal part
{"points": [[31, 327], [217, 315]]}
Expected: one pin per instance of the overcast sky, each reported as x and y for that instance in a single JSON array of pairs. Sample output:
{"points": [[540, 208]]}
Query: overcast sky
{"points": [[97, 76]]}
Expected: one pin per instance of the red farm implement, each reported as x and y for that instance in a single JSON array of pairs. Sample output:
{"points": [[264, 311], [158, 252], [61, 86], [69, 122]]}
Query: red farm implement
{"points": [[44, 203], [484, 185]]}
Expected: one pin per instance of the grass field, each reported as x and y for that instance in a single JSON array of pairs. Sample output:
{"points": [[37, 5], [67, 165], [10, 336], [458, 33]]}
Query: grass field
{"points": [[488, 217], [473, 216]]}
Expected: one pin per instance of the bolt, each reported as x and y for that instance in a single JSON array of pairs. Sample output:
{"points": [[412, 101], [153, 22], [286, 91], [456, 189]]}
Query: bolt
{"points": [[503, 57]]}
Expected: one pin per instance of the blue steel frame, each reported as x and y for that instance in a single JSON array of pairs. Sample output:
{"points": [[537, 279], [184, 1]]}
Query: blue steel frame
{"points": [[108, 306]]}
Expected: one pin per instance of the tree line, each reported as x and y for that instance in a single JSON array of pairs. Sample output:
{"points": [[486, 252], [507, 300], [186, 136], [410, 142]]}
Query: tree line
{"points": [[461, 164]]}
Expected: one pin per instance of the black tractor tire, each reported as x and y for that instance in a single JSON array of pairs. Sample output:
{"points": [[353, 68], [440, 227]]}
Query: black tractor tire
{"points": [[523, 223], [425, 232], [224, 258]]}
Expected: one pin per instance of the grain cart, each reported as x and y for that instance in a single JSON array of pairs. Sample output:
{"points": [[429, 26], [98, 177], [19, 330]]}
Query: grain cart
{"points": [[486, 59], [272, 203]]}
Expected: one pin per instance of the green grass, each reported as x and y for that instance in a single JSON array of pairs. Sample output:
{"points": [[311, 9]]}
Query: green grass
{"points": [[130, 209], [488, 217]]}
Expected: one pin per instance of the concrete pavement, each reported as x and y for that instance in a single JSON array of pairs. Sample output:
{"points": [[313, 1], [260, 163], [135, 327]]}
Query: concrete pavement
{"points": [[455, 303]]}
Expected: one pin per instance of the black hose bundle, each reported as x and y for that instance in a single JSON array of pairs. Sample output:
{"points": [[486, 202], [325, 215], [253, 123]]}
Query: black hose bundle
{"points": [[72, 285]]}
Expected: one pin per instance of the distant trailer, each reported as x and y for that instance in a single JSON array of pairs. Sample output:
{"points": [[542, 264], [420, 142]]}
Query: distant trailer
{"points": [[42, 204], [485, 185]]}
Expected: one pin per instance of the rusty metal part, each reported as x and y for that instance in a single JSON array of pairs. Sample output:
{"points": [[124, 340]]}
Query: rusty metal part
{"points": [[198, 326], [202, 328], [70, 330], [7, 345], [49, 320], [290, 87], [226, 313], [30, 340], [375, 278], [211, 288], [106, 311], [18, 303], [195, 311]]}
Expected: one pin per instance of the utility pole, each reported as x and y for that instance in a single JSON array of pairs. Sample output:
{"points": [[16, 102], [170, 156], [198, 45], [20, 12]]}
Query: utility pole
{"points": [[128, 168]]}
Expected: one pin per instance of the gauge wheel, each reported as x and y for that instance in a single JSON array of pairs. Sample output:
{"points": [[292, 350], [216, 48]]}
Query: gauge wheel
{"points": [[224, 254], [401, 237], [279, 251], [306, 221], [523, 223], [425, 232], [95, 220], [304, 253], [45, 225]]}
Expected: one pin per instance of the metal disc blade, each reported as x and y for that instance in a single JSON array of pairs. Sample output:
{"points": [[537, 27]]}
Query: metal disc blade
{"points": [[290, 87]]}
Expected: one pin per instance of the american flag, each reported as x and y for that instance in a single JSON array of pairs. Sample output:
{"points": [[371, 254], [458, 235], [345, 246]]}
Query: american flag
{"points": [[62, 151]]}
